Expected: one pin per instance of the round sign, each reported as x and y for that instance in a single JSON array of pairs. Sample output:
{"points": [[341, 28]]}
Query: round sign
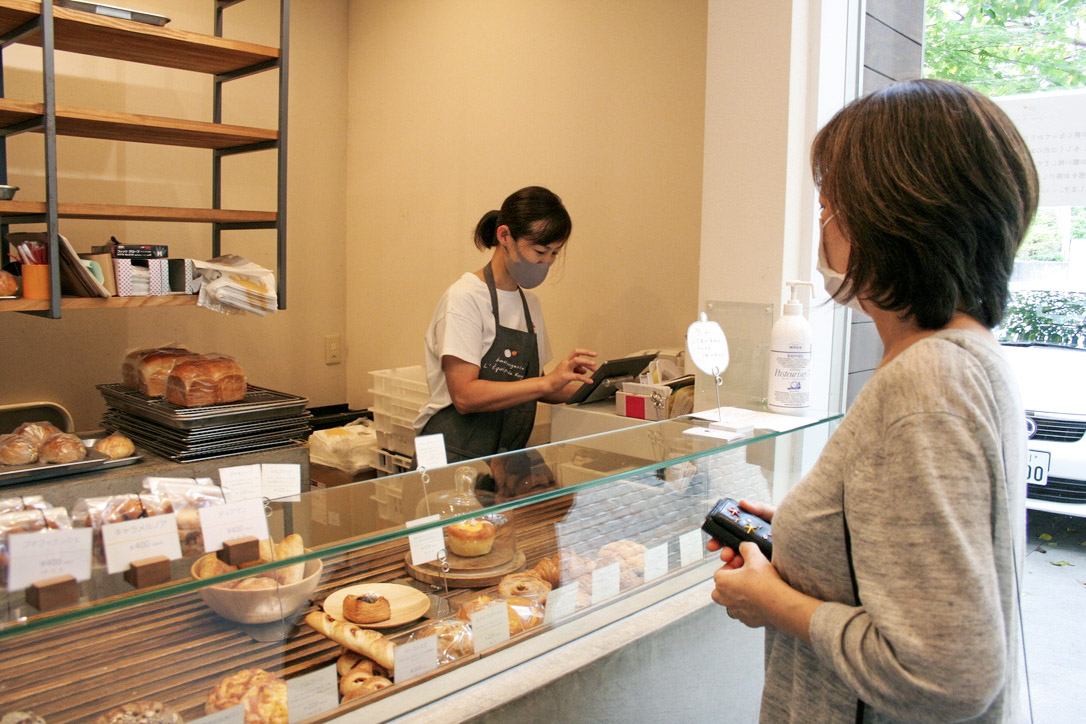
{"points": [[707, 346]]}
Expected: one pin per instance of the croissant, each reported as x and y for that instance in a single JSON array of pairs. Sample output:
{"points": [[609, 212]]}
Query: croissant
{"points": [[369, 643]]}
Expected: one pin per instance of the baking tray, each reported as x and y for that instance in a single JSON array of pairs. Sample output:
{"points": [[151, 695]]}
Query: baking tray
{"points": [[190, 456], [299, 425], [14, 474], [112, 11], [259, 404]]}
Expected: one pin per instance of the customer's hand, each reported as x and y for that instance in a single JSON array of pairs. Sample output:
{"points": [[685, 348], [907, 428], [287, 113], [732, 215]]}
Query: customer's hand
{"points": [[747, 588]]}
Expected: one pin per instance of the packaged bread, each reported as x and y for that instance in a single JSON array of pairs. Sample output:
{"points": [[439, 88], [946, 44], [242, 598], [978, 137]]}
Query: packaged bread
{"points": [[32, 520], [63, 447], [146, 369], [235, 688], [186, 497], [23, 502], [18, 450], [523, 612], [454, 638], [36, 431], [96, 512], [209, 379]]}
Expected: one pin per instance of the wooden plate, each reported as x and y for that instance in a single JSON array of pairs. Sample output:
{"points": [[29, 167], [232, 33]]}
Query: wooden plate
{"points": [[407, 604]]}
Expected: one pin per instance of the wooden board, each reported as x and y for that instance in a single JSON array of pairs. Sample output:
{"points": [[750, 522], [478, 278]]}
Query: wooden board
{"points": [[503, 551], [407, 603], [475, 578]]}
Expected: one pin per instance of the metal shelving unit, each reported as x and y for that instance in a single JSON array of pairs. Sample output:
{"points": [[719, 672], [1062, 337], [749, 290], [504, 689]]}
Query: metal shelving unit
{"points": [[40, 23]]}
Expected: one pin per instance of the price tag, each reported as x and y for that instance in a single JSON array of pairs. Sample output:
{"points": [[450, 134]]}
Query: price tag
{"points": [[312, 694], [133, 540], [691, 547], [426, 544], [38, 556], [281, 481], [490, 626], [415, 658], [605, 583], [707, 346], [561, 603], [430, 451], [241, 482], [655, 562], [233, 520], [233, 715]]}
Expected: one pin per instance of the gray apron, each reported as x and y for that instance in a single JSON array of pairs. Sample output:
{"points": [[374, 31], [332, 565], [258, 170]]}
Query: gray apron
{"points": [[513, 356]]}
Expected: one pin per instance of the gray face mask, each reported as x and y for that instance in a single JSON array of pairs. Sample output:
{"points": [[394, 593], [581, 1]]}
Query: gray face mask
{"points": [[526, 274]]}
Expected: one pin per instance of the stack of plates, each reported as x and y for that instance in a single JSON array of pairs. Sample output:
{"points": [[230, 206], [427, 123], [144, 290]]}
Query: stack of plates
{"points": [[264, 420]]}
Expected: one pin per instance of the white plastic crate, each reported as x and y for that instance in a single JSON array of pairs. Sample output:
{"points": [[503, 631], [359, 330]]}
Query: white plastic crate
{"points": [[406, 383], [391, 463], [399, 440], [398, 395]]}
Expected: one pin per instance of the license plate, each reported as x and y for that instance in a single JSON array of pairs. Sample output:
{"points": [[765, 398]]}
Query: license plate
{"points": [[1038, 467]]}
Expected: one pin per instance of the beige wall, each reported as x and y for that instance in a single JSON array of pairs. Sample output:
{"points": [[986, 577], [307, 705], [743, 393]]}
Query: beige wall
{"points": [[456, 104], [62, 360]]}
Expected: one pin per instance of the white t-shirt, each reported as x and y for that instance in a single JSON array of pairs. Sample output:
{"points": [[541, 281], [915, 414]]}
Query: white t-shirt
{"points": [[463, 327]]}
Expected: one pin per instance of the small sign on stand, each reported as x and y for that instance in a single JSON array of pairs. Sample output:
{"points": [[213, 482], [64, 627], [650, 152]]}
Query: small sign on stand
{"points": [[148, 571], [52, 593], [238, 551]]}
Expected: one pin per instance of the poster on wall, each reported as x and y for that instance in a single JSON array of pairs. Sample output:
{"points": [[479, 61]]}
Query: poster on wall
{"points": [[1054, 126]]}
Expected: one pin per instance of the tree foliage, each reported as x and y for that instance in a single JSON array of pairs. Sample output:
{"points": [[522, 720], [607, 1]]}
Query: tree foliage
{"points": [[1006, 47], [1049, 317]]}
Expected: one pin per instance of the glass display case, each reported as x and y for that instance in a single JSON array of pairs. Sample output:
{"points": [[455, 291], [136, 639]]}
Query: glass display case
{"points": [[594, 525]]}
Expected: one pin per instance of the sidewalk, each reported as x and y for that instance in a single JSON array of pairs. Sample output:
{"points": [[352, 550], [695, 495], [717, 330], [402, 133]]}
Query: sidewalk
{"points": [[1053, 607]]}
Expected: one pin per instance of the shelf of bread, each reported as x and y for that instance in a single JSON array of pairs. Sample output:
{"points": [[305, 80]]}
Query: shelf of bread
{"points": [[90, 123], [10, 211], [91, 34], [35, 305]]}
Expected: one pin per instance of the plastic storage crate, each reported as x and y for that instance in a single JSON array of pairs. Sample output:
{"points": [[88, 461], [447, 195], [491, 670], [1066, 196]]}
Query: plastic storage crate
{"points": [[398, 395]]}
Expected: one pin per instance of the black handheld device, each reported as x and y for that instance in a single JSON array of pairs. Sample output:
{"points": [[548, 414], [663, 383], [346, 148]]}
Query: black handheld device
{"points": [[730, 525]]}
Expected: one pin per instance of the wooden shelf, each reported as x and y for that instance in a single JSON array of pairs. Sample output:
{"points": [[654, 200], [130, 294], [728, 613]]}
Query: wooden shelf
{"points": [[33, 305], [82, 32], [10, 211], [88, 123]]}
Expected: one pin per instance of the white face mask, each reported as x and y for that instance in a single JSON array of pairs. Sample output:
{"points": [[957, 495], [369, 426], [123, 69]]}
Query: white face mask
{"points": [[833, 281]]}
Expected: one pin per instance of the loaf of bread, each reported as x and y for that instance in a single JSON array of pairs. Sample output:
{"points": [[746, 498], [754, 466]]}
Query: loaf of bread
{"points": [[205, 380], [62, 447], [364, 641], [36, 431], [146, 369], [17, 450]]}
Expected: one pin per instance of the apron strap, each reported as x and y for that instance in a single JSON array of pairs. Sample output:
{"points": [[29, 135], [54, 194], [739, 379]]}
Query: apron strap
{"points": [[489, 275]]}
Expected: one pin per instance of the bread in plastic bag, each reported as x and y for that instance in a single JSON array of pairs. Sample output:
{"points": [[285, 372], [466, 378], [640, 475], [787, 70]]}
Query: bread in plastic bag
{"points": [[350, 448]]}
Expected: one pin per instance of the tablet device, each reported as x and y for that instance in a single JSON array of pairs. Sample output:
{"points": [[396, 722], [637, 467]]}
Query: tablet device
{"points": [[609, 377]]}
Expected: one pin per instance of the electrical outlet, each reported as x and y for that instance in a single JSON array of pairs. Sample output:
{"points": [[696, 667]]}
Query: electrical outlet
{"points": [[333, 349]]}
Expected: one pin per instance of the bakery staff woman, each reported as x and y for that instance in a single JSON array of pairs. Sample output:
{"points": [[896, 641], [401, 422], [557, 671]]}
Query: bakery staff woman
{"points": [[486, 345]]}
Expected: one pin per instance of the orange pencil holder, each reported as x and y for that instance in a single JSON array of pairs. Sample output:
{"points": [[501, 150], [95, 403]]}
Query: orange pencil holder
{"points": [[35, 281]]}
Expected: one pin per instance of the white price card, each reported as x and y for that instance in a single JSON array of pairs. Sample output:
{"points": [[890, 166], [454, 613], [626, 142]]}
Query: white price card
{"points": [[134, 540], [655, 562], [605, 583], [312, 694], [561, 603], [38, 556], [239, 519], [691, 547], [427, 544], [490, 626], [430, 451], [281, 480], [233, 715], [241, 482], [415, 658]]}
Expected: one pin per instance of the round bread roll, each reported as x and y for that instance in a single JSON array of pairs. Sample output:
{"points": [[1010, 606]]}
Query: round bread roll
{"points": [[370, 607], [471, 538], [523, 584], [232, 689], [17, 450], [266, 702], [365, 687], [8, 285], [630, 555], [62, 448], [117, 446], [141, 712]]}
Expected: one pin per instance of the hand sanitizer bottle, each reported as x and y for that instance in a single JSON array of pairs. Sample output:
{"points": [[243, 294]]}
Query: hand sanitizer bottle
{"points": [[789, 389]]}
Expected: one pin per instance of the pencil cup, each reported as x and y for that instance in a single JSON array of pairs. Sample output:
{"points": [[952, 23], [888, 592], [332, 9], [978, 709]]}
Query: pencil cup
{"points": [[35, 281]]}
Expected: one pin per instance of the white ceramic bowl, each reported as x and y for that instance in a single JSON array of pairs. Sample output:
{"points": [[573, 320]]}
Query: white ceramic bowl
{"points": [[263, 605]]}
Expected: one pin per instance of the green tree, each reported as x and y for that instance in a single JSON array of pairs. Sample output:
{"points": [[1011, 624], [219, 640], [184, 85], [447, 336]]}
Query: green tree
{"points": [[1006, 47], [1043, 242]]}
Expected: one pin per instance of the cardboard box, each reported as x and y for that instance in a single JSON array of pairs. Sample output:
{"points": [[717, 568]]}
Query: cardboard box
{"points": [[158, 276], [642, 407], [183, 276]]}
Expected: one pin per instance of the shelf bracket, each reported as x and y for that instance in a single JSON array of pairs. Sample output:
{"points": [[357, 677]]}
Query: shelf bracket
{"points": [[17, 34], [31, 124]]}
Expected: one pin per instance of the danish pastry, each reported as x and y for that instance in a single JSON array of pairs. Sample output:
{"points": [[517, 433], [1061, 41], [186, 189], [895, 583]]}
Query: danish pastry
{"points": [[370, 607]]}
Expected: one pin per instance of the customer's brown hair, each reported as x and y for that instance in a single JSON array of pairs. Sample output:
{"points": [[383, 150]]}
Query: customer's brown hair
{"points": [[935, 189]]}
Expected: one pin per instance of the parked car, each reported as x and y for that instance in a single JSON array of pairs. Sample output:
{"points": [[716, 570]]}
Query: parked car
{"points": [[1044, 337]]}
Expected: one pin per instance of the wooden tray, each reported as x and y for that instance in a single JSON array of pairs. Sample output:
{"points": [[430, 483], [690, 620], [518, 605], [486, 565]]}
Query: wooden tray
{"points": [[503, 551], [407, 604], [474, 578]]}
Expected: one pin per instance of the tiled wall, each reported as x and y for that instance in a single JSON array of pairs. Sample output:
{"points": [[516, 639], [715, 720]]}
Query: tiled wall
{"points": [[893, 50]]}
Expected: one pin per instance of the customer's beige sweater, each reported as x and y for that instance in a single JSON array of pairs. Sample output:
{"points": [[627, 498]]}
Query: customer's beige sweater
{"points": [[928, 469]]}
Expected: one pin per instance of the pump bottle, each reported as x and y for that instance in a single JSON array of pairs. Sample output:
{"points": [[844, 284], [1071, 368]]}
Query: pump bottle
{"points": [[789, 390]]}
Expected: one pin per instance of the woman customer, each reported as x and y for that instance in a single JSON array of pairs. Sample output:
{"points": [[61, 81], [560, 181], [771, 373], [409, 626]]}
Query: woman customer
{"points": [[893, 589], [487, 344]]}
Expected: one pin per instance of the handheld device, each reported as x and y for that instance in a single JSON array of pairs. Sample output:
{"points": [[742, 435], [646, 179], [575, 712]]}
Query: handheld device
{"points": [[730, 525]]}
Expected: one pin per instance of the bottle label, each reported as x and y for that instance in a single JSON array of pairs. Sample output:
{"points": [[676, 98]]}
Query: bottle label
{"points": [[789, 379]]}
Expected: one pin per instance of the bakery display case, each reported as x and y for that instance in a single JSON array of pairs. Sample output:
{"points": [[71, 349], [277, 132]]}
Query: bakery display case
{"points": [[387, 594]]}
